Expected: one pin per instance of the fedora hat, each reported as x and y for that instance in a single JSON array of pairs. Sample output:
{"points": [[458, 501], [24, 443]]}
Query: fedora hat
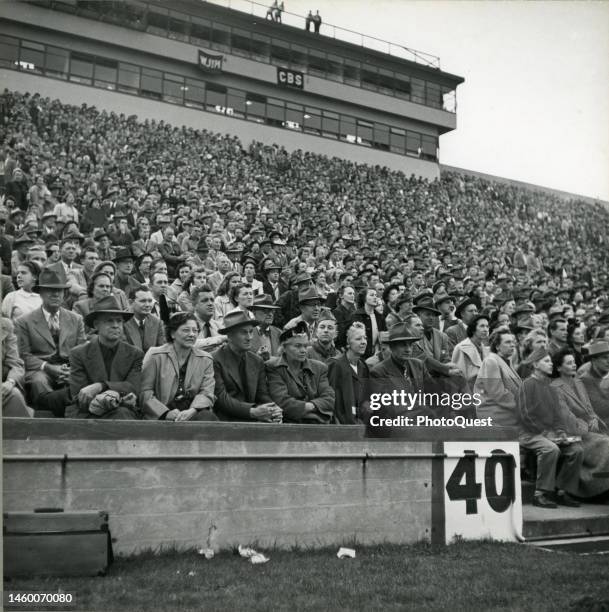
{"points": [[123, 253], [443, 297], [422, 295], [309, 295], [49, 279], [265, 302], [525, 322], [523, 308], [106, 305], [426, 303], [302, 277], [464, 304], [400, 332], [23, 239], [236, 319], [270, 264], [596, 349]]}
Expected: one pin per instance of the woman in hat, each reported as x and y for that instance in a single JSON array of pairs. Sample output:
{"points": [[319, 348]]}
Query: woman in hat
{"points": [[24, 300], [469, 354], [298, 385], [582, 421], [178, 378], [543, 430], [348, 376], [99, 287]]}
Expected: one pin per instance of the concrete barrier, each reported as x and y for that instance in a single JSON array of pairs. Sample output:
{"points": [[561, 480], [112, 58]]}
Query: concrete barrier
{"points": [[223, 484]]}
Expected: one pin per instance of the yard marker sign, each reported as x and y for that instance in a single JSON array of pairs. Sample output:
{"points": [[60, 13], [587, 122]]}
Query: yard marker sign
{"points": [[477, 492]]}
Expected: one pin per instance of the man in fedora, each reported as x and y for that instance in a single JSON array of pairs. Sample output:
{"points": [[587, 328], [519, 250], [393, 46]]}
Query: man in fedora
{"points": [[272, 284], [265, 341], [465, 312], [68, 271], [124, 260], [595, 376], [309, 303], [241, 387], [445, 303], [46, 336], [400, 371], [288, 302], [105, 363]]}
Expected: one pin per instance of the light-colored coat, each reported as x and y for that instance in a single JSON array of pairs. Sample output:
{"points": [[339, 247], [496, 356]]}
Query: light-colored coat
{"points": [[467, 358], [498, 385], [160, 374]]}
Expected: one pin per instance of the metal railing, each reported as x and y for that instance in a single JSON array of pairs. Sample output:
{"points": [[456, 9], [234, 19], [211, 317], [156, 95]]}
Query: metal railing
{"points": [[333, 31]]}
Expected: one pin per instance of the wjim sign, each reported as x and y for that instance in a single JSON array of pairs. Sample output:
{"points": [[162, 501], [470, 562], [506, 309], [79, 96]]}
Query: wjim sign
{"points": [[209, 62]]}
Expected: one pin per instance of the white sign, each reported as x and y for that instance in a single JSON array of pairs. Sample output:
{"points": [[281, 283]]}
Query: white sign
{"points": [[482, 495]]}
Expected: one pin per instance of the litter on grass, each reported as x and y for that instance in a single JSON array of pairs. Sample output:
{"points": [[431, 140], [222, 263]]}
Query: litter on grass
{"points": [[345, 553], [254, 556], [208, 553]]}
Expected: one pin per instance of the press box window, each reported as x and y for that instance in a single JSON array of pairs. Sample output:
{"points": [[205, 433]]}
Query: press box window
{"points": [[106, 72], [194, 93], [151, 84], [31, 57], [81, 68], [235, 105], [9, 51], [256, 107], [216, 98], [173, 88], [128, 77], [200, 31], [57, 62]]}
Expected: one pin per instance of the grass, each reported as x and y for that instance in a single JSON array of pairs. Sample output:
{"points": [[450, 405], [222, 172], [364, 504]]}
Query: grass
{"points": [[465, 576]]}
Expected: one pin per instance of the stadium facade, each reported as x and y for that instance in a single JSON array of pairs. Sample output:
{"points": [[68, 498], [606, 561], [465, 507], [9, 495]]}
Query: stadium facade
{"points": [[210, 67]]}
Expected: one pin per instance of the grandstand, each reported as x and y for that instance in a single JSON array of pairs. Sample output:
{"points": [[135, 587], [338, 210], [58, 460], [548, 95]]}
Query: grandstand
{"points": [[219, 115], [207, 66]]}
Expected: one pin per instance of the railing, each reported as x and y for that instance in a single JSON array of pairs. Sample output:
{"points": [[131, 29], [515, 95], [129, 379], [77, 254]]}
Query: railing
{"points": [[333, 31]]}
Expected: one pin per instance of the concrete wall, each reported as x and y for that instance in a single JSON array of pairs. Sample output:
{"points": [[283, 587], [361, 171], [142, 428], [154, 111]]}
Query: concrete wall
{"points": [[72, 93], [271, 485], [276, 502], [160, 49]]}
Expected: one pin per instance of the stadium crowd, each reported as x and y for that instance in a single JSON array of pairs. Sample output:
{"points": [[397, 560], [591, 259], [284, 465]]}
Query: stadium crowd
{"points": [[158, 272]]}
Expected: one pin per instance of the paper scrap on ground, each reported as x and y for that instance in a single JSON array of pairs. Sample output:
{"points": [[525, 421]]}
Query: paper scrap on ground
{"points": [[345, 553], [254, 556], [208, 553]]}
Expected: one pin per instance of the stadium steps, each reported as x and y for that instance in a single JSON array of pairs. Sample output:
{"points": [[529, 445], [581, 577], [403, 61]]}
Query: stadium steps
{"points": [[584, 529]]}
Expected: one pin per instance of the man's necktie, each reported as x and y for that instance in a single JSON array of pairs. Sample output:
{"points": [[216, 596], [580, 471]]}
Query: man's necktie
{"points": [[207, 328], [141, 324], [243, 376], [54, 326]]}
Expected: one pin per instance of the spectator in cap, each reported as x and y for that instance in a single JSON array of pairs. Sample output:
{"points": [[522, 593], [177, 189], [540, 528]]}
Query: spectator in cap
{"points": [[289, 305], [143, 330], [366, 313], [383, 351], [46, 336], [543, 425], [582, 421], [322, 347], [446, 305], [13, 373], [25, 299], [595, 376], [124, 269], [348, 376], [309, 303], [272, 284], [497, 383], [105, 363], [298, 385], [400, 372], [466, 310], [241, 386], [265, 340], [177, 377]]}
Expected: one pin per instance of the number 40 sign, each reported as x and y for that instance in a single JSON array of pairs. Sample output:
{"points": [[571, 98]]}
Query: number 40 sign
{"points": [[482, 496]]}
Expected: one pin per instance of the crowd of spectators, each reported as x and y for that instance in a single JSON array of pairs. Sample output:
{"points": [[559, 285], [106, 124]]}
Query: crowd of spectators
{"points": [[161, 272]]}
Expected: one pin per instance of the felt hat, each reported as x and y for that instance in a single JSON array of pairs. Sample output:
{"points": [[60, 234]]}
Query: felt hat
{"points": [[236, 319], [106, 305], [400, 332], [49, 279]]}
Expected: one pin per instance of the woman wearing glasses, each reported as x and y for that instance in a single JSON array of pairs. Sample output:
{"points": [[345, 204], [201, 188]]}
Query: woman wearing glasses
{"points": [[177, 378]]}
